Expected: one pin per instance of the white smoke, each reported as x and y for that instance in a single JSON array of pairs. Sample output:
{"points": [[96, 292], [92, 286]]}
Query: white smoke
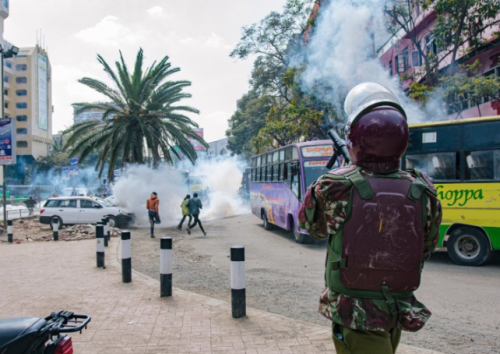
{"points": [[222, 177], [341, 54]]}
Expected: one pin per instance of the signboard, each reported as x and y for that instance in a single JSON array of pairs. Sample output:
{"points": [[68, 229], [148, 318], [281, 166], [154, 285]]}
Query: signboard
{"points": [[317, 151], [65, 172], [196, 144], [73, 166], [321, 163], [7, 143], [43, 117]]}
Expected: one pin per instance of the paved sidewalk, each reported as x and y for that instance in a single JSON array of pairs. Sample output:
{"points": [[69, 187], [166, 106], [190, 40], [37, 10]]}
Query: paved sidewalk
{"points": [[40, 277]]}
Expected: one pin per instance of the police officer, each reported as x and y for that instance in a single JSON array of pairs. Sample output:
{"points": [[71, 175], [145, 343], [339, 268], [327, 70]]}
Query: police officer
{"points": [[382, 223]]}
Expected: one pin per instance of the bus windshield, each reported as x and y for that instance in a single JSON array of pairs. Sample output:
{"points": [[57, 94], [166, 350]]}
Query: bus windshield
{"points": [[313, 170]]}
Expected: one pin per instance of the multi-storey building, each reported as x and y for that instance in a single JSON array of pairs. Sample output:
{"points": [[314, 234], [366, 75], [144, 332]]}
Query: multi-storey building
{"points": [[81, 117], [28, 100], [400, 56]]}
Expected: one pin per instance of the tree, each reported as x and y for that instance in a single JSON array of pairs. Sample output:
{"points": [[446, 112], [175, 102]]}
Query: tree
{"points": [[465, 85], [141, 123], [458, 22]]}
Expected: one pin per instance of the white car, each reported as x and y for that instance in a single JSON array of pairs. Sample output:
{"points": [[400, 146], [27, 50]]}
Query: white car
{"points": [[83, 210]]}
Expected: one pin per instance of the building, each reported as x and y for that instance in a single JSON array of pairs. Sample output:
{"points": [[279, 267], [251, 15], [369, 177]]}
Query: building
{"points": [[92, 114], [218, 148], [400, 57], [27, 99]]}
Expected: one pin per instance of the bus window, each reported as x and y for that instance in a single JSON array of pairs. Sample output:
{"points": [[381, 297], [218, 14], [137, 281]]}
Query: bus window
{"points": [[282, 155], [258, 161], [276, 173], [276, 156], [313, 170], [268, 174], [295, 153], [438, 166], [483, 165]]}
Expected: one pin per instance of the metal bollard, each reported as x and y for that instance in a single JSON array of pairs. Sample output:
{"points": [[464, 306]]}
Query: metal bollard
{"points": [[126, 257], [55, 229], [105, 231], [166, 267], [238, 296], [99, 236], [10, 236]]}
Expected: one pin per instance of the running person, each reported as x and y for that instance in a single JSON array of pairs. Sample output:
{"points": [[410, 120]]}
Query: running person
{"points": [[194, 206]]}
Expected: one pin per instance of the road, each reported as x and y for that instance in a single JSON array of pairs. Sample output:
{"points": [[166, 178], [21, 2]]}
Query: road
{"points": [[286, 278]]}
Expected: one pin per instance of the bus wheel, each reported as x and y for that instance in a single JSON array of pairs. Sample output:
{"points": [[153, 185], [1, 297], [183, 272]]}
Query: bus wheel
{"points": [[297, 236], [469, 247], [267, 225]]}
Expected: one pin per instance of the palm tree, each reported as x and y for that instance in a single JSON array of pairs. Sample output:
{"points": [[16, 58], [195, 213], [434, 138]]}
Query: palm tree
{"points": [[141, 123]]}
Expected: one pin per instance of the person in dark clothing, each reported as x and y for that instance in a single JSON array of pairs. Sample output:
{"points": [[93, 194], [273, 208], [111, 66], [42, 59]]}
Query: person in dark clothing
{"points": [[30, 204], [185, 212], [194, 206]]}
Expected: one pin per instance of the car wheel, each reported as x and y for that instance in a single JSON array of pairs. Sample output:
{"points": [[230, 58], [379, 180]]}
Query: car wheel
{"points": [[112, 221], [468, 246], [267, 225], [297, 236], [54, 220]]}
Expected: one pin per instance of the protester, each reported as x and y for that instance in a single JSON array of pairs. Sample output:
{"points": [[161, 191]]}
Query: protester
{"points": [[381, 224], [194, 206], [185, 212], [30, 204], [153, 207]]}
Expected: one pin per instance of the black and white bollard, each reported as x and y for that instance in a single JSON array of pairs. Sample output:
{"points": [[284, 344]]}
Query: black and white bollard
{"points": [[99, 237], [166, 267], [104, 231], [55, 229], [126, 257], [10, 236], [107, 231], [238, 297]]}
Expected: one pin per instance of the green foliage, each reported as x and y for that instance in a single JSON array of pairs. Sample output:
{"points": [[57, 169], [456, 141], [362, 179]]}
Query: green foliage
{"points": [[141, 122], [420, 91], [246, 122], [54, 160], [465, 85]]}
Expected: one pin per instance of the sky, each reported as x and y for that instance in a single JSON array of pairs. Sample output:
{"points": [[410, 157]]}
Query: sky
{"points": [[197, 35]]}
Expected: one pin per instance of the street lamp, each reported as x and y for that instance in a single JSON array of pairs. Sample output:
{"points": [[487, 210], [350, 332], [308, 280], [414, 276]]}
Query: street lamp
{"points": [[5, 53]]}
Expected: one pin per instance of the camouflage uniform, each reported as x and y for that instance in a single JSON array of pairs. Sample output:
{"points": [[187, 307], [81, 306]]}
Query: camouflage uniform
{"points": [[323, 213]]}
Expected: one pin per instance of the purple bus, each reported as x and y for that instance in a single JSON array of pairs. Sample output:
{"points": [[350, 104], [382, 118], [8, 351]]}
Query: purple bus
{"points": [[279, 180]]}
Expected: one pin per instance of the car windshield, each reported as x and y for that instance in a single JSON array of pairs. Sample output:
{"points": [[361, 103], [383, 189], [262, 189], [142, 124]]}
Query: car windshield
{"points": [[103, 202]]}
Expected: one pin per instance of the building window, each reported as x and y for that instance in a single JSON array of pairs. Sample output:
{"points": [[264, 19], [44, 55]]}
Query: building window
{"points": [[22, 92], [21, 80], [6, 79], [22, 118], [8, 64], [402, 61], [21, 67], [21, 105], [390, 67], [23, 53], [6, 105], [6, 92], [430, 44], [416, 59], [22, 144], [22, 131]]}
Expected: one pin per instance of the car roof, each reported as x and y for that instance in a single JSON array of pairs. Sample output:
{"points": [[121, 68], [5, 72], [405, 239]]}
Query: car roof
{"points": [[71, 197]]}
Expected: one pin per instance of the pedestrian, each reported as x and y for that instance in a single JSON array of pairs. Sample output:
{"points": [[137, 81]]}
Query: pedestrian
{"points": [[194, 205], [185, 212], [381, 223], [153, 207], [30, 204]]}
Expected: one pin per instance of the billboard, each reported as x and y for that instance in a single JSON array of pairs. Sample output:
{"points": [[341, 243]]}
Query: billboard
{"points": [[7, 143], [74, 167], [43, 102], [196, 144]]}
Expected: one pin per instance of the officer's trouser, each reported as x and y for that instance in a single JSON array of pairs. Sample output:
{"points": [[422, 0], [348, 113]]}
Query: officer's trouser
{"points": [[365, 342]]}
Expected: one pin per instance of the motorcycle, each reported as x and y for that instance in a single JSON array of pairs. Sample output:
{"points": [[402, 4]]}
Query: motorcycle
{"points": [[33, 335]]}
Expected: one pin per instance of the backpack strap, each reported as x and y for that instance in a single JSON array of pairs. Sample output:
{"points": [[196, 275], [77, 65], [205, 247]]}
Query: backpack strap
{"points": [[361, 183]]}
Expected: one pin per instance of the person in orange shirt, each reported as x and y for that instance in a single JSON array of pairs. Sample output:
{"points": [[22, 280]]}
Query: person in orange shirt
{"points": [[153, 207]]}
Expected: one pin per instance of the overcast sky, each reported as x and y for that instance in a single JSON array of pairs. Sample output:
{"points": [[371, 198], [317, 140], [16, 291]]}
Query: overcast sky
{"points": [[198, 35]]}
